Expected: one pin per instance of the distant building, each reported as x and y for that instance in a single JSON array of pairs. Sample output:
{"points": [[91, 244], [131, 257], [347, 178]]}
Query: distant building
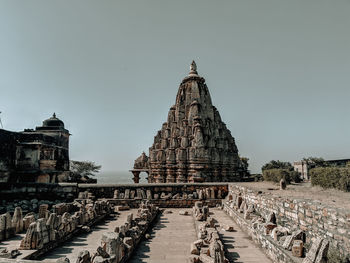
{"points": [[303, 166], [40, 155]]}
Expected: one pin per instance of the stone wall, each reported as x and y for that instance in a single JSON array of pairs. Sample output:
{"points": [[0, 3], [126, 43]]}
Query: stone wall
{"points": [[40, 191], [316, 220], [108, 190]]}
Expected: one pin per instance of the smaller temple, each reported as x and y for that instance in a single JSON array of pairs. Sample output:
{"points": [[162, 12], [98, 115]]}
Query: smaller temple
{"points": [[140, 165], [40, 155]]}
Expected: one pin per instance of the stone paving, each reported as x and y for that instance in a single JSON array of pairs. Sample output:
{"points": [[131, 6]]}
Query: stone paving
{"points": [[89, 241], [13, 243], [240, 248], [170, 239]]}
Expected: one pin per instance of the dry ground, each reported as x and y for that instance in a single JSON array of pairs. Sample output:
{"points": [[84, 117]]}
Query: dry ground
{"points": [[330, 197]]}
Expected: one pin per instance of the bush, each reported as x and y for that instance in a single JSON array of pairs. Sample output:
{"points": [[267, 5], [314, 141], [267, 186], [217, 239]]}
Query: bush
{"points": [[276, 165], [295, 176], [275, 175], [331, 177]]}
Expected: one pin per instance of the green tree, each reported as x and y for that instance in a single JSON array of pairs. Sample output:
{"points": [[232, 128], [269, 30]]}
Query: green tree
{"points": [[317, 161], [277, 165], [83, 169], [244, 162]]}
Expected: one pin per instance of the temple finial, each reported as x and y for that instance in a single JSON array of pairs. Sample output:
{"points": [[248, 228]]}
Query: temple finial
{"points": [[193, 68], [54, 115]]}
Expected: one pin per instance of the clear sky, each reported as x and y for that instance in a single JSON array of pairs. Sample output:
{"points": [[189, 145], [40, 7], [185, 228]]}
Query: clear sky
{"points": [[278, 71]]}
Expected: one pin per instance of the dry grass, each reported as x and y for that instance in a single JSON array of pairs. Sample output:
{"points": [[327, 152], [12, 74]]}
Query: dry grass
{"points": [[331, 197]]}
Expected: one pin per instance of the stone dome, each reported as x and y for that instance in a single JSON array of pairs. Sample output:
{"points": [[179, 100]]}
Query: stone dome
{"points": [[53, 122]]}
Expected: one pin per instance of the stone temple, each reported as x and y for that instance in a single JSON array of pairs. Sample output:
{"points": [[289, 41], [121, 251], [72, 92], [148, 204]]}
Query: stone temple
{"points": [[194, 144]]}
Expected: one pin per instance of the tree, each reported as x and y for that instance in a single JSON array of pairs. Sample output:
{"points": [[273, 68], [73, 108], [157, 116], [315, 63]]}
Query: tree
{"points": [[83, 169], [244, 162], [317, 161], [277, 165]]}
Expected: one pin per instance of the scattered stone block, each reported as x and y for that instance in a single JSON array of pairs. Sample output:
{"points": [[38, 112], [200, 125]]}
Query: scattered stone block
{"points": [[127, 194], [183, 212], [116, 194], [297, 248], [121, 208], [283, 184], [84, 257], [228, 228], [194, 249], [17, 220], [102, 253], [297, 235]]}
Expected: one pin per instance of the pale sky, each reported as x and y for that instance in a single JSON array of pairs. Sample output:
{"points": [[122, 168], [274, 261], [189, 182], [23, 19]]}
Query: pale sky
{"points": [[278, 71]]}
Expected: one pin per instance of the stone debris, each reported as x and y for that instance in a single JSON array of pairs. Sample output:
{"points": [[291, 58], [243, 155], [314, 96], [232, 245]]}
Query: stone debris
{"points": [[116, 194], [43, 211], [200, 212], [297, 248], [296, 235], [84, 257], [17, 220], [279, 232], [183, 213], [317, 252], [7, 229], [209, 247], [121, 208], [43, 231], [4, 253], [228, 228], [117, 246], [27, 220], [283, 184]]}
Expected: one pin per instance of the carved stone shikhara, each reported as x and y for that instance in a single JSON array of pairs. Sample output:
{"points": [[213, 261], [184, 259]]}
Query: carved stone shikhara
{"points": [[194, 145]]}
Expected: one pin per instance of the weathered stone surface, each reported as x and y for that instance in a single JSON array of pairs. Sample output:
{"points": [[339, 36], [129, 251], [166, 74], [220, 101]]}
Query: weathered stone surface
{"points": [[283, 184], [17, 220], [194, 145], [297, 248], [84, 257], [183, 213], [200, 212], [43, 209], [113, 244], [297, 235], [312, 254]]}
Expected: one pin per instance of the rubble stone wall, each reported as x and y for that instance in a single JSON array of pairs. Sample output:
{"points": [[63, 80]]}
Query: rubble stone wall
{"points": [[176, 203], [315, 219], [108, 190], [41, 191]]}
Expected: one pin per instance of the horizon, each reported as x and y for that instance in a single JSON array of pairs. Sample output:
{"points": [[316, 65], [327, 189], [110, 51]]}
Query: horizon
{"points": [[111, 75]]}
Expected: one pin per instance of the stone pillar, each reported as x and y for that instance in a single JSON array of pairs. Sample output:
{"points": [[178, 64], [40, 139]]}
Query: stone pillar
{"points": [[149, 177], [17, 220], [136, 176], [170, 177], [181, 176]]}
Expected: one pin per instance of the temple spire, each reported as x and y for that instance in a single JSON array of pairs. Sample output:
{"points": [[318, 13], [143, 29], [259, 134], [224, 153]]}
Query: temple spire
{"points": [[193, 68]]}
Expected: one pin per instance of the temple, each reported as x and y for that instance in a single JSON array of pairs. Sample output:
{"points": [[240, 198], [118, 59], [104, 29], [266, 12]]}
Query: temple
{"points": [[194, 145], [40, 155]]}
